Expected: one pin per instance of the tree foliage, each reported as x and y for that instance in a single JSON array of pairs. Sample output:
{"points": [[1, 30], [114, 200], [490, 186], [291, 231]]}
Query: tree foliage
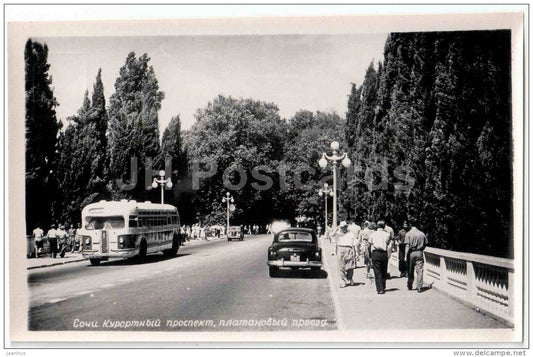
{"points": [[174, 157], [234, 136], [310, 135], [82, 169], [41, 136], [133, 127], [442, 121], [428, 131]]}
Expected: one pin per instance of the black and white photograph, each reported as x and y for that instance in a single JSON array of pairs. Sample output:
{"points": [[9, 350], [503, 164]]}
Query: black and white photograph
{"points": [[342, 180]]}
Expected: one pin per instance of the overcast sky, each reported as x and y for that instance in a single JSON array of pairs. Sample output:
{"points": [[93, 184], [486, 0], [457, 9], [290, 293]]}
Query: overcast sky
{"points": [[295, 72]]}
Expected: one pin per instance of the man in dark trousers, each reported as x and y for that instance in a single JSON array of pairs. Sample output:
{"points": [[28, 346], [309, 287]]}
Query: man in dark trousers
{"points": [[402, 259], [415, 243], [379, 242], [52, 239]]}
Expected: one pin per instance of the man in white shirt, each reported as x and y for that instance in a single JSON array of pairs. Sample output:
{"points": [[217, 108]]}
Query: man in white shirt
{"points": [[356, 230], [38, 240], [62, 241], [52, 239], [345, 254], [379, 242]]}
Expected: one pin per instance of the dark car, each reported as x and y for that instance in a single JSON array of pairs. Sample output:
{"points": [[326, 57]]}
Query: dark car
{"points": [[294, 248], [235, 232]]}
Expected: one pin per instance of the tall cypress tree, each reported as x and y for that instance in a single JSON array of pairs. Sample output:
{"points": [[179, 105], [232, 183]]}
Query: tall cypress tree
{"points": [[41, 136], [83, 156], [443, 110], [133, 126]]}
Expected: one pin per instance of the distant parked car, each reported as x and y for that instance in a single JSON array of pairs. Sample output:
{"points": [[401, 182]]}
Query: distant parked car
{"points": [[235, 232], [294, 248]]}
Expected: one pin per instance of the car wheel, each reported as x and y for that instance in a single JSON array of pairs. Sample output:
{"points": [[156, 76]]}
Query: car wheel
{"points": [[95, 261], [272, 271]]}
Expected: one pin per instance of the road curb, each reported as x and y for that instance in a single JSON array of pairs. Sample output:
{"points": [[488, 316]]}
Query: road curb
{"points": [[57, 263], [331, 282]]}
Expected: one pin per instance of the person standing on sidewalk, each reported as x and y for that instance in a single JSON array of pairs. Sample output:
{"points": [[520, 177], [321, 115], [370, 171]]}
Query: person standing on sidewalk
{"points": [[402, 263], [379, 241], [415, 243], [52, 239], [38, 240], [345, 254]]}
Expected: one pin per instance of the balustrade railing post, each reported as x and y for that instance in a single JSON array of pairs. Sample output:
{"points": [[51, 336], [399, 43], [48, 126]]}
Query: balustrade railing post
{"points": [[471, 283], [443, 274], [510, 293]]}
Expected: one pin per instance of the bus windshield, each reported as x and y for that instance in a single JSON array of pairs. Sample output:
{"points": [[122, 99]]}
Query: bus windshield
{"points": [[105, 222]]}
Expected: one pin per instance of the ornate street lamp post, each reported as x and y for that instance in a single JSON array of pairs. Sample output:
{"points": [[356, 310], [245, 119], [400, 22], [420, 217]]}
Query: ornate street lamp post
{"points": [[334, 159], [161, 182], [227, 200], [326, 191]]}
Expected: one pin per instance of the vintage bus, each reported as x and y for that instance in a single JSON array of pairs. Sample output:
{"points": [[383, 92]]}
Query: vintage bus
{"points": [[125, 229]]}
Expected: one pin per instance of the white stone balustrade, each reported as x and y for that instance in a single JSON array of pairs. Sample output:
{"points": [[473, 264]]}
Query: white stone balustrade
{"points": [[480, 281]]}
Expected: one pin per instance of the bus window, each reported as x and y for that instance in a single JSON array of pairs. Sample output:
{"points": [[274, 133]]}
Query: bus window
{"points": [[133, 221], [105, 222]]}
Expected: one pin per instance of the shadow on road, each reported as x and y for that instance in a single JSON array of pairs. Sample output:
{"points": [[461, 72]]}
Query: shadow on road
{"points": [[301, 274], [392, 289], [150, 259]]}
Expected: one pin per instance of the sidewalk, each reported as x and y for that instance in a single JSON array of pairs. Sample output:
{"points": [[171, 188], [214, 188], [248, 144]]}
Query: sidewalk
{"points": [[360, 307], [45, 261]]}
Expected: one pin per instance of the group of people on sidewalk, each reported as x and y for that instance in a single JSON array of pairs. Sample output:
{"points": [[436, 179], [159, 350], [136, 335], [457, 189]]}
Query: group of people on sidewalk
{"points": [[375, 243], [61, 239]]}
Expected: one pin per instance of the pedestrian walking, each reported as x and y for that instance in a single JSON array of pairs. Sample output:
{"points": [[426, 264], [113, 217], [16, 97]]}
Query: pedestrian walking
{"points": [[356, 230], [402, 264], [345, 254], [415, 243], [62, 240], [368, 229], [52, 239], [37, 235], [389, 230], [379, 241], [71, 233], [78, 243], [390, 247]]}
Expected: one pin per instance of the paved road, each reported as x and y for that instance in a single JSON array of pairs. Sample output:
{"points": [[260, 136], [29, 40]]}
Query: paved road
{"points": [[222, 285]]}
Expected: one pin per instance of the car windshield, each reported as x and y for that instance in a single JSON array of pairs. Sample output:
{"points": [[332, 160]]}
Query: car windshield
{"points": [[105, 222], [295, 237]]}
